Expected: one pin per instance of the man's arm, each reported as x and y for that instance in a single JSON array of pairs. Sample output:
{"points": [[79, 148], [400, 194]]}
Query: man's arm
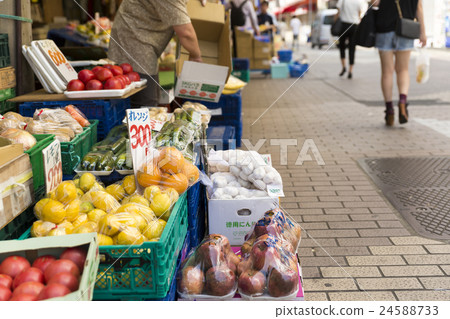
{"points": [[188, 40], [423, 34]]}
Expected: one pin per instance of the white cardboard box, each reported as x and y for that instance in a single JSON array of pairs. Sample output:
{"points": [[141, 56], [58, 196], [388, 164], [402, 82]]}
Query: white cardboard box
{"points": [[234, 218]]}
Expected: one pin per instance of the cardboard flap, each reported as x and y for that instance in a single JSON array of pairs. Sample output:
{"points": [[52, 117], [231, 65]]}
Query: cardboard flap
{"points": [[210, 49], [10, 152], [224, 46]]}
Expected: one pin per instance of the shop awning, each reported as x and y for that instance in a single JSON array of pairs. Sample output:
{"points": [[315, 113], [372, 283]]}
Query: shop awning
{"points": [[291, 7]]}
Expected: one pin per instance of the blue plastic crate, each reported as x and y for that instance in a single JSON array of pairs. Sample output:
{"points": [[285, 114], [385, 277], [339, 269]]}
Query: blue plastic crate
{"points": [[196, 233], [222, 137], [279, 71], [241, 64], [297, 70], [109, 112], [285, 56], [262, 38], [237, 124], [229, 107]]}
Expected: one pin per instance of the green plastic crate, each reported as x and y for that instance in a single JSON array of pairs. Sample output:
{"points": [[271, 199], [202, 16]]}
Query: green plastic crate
{"points": [[7, 107], [72, 152], [37, 162], [145, 271], [7, 94], [5, 59], [243, 75]]}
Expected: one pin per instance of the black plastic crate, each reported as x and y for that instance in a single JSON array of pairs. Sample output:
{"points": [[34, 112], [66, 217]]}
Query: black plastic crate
{"points": [[5, 59]]}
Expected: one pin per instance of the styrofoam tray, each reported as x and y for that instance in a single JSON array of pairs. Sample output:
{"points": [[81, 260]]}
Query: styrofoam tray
{"points": [[125, 171], [208, 297], [88, 62], [95, 173], [35, 70], [103, 93]]}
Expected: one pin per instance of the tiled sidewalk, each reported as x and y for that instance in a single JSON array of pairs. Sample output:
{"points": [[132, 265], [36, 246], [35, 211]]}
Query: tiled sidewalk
{"points": [[354, 245]]}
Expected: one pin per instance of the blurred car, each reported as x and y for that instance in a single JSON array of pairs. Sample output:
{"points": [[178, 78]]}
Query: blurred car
{"points": [[321, 28]]}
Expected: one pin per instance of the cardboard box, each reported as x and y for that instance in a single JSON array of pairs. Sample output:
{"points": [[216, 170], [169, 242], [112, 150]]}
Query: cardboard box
{"points": [[7, 78], [195, 80], [16, 182], [260, 64], [35, 247], [262, 50], [234, 218], [244, 43]]}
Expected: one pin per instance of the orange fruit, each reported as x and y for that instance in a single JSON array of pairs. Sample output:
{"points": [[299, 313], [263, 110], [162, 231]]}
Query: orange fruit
{"points": [[191, 172], [170, 160], [179, 182], [150, 175]]}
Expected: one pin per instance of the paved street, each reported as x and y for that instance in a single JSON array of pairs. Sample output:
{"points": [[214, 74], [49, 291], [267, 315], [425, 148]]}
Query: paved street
{"points": [[355, 245]]}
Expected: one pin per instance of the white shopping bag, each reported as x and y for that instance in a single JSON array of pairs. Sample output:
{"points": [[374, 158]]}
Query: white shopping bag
{"points": [[422, 66]]}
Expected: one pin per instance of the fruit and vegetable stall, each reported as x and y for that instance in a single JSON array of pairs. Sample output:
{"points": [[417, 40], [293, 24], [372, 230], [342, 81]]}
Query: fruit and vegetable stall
{"points": [[100, 200]]}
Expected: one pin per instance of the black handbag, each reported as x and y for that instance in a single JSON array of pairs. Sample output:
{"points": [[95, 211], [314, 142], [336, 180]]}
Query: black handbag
{"points": [[336, 27], [365, 33], [405, 27]]}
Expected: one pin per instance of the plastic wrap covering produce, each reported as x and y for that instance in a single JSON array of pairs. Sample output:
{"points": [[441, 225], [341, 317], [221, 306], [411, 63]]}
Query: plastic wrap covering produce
{"points": [[159, 113], [118, 213], [77, 115], [20, 137], [58, 116], [237, 174], [209, 271], [269, 269], [166, 167], [203, 110], [110, 153]]}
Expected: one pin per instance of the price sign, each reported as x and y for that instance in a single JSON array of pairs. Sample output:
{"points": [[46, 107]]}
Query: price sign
{"points": [[156, 125], [52, 165], [140, 132]]}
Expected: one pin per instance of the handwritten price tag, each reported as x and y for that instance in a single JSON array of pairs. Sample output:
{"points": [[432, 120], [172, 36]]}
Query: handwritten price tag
{"points": [[52, 165], [140, 132]]}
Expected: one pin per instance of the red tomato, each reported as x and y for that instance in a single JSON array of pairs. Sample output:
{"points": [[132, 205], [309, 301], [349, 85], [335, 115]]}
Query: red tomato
{"points": [[29, 288], [113, 84], [23, 297], [43, 262], [75, 85], [127, 79], [133, 76], [127, 68], [66, 279], [116, 70], [6, 281], [96, 69], [5, 293], [14, 265], [62, 265], [121, 80], [94, 85], [103, 74], [53, 291], [85, 76], [30, 274], [108, 66]]}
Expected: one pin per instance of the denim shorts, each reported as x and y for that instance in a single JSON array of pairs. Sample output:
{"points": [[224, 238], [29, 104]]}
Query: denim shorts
{"points": [[390, 41]]}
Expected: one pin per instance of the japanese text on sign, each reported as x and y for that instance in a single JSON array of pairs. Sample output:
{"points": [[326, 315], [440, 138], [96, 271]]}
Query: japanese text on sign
{"points": [[52, 165]]}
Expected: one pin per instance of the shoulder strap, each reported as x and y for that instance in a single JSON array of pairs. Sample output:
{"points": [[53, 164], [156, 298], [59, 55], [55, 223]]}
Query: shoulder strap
{"points": [[242, 4], [399, 9]]}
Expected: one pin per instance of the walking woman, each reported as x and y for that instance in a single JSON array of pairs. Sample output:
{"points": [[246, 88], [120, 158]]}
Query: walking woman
{"points": [[349, 11], [395, 51]]}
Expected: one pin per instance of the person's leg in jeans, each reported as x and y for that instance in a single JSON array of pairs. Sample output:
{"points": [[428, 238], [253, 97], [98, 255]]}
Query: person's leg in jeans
{"points": [[387, 83], [402, 71], [351, 48], [148, 96]]}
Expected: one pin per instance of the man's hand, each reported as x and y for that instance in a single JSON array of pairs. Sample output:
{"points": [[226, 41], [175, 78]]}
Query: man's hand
{"points": [[195, 59], [203, 2], [423, 39]]}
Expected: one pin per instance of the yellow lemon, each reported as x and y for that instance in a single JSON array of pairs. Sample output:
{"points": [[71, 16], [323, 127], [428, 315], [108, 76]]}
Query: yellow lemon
{"points": [[126, 200], [140, 200], [142, 210], [80, 193], [116, 191], [53, 212], [76, 181], [104, 240], [88, 227], [41, 228], [155, 229], [109, 225], [173, 195], [130, 236], [68, 227], [160, 204], [66, 192], [97, 187], [86, 207], [141, 222], [73, 210], [104, 201], [52, 195], [95, 215], [87, 180], [126, 219], [57, 232], [80, 220], [39, 207], [129, 184], [151, 191], [154, 239]]}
